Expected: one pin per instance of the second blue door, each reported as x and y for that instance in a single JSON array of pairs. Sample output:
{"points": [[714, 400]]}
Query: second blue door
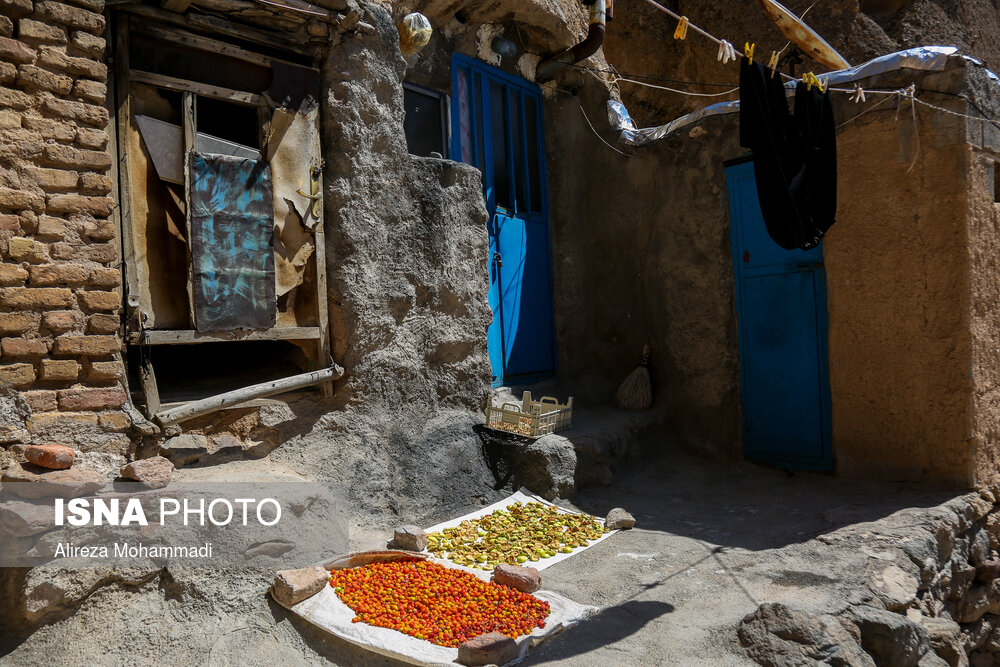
{"points": [[781, 308], [497, 127]]}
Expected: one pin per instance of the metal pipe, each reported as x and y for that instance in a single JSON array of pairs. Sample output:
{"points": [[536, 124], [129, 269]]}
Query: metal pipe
{"points": [[600, 12]]}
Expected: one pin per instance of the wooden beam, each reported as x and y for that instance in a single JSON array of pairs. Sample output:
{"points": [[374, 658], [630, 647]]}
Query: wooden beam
{"points": [[179, 6], [185, 38], [212, 24], [150, 390], [189, 124], [203, 89], [239, 396], [154, 337]]}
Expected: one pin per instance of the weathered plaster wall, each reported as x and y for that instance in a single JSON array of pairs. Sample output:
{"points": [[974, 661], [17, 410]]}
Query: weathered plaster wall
{"points": [[898, 281], [406, 243]]}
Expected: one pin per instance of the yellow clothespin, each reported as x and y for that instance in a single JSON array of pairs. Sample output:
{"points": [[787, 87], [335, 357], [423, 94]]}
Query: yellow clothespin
{"points": [[682, 28], [807, 79], [748, 51], [822, 84], [773, 63]]}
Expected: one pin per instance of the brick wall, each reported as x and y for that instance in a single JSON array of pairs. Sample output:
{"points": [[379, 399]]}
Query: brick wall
{"points": [[59, 276]]}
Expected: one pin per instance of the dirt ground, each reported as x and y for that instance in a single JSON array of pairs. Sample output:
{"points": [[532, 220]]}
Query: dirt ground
{"points": [[712, 542]]}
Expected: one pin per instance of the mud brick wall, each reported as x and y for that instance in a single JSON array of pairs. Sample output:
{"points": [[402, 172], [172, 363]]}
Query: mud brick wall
{"points": [[59, 276]]}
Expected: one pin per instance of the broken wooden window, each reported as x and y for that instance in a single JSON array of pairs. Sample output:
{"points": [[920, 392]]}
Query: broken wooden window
{"points": [[426, 123], [221, 175]]}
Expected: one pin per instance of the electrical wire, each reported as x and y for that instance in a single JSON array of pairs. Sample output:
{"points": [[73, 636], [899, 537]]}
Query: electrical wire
{"points": [[594, 130]]}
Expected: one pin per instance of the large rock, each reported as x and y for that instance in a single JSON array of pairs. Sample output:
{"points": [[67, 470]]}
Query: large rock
{"points": [[152, 473], [291, 587], [946, 640], [896, 588], [492, 648], [524, 579], [28, 481], [185, 449], [775, 635], [53, 457], [619, 519], [24, 519], [410, 538], [223, 449], [892, 639], [546, 466]]}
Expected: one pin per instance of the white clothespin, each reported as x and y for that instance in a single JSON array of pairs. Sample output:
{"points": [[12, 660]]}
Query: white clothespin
{"points": [[859, 94], [726, 52]]}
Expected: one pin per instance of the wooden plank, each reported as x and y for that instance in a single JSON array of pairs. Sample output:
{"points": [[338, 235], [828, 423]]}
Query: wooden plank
{"points": [[147, 377], [189, 121], [179, 6], [124, 119], [203, 89], [231, 398], [174, 337], [185, 38], [222, 27], [283, 399], [322, 305]]}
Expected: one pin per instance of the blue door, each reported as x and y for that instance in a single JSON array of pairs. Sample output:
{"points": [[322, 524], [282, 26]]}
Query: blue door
{"points": [[781, 308], [497, 127]]}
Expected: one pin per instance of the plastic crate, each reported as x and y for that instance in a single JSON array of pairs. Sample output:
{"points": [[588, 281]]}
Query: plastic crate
{"points": [[531, 419]]}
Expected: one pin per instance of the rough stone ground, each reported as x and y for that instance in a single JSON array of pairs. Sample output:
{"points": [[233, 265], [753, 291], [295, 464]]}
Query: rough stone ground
{"points": [[712, 542]]}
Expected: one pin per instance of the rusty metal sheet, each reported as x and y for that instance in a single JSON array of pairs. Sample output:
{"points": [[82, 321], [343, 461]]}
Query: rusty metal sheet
{"points": [[232, 218]]}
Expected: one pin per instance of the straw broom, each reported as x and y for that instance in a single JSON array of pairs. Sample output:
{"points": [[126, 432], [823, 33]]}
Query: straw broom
{"points": [[635, 393]]}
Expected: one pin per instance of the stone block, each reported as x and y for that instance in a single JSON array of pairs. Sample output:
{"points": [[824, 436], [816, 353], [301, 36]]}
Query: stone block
{"points": [[72, 203], [105, 277], [50, 129], [49, 275], [18, 323], [18, 200], [293, 586], [52, 457], [185, 449], [90, 114], [101, 323], [8, 73], [28, 481], [36, 32], [41, 400], [17, 375], [35, 298], [95, 183], [92, 91], [88, 44], [16, 8], [152, 473], [102, 253], [50, 226], [14, 51], [12, 274], [115, 421], [85, 346], [54, 179], [105, 398], [14, 99], [6, 26], [99, 230], [491, 648], [31, 77], [23, 347], [89, 138], [60, 321], [54, 370], [410, 538], [91, 301], [22, 519], [619, 519], [524, 579], [57, 61], [71, 16], [21, 249]]}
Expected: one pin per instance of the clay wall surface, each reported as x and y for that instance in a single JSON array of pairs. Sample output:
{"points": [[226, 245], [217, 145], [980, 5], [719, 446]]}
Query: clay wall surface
{"points": [[59, 275]]}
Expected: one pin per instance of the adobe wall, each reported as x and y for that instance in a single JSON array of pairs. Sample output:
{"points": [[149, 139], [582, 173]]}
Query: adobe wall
{"points": [[59, 278]]}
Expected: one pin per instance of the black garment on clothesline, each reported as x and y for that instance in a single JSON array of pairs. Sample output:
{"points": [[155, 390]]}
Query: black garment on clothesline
{"points": [[794, 156]]}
